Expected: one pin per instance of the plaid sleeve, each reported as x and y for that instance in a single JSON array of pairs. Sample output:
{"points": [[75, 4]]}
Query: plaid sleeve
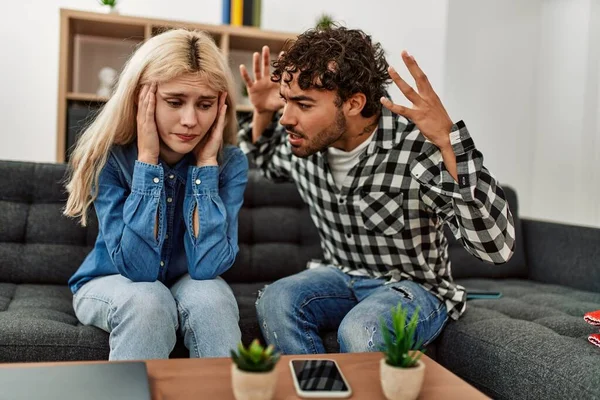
{"points": [[475, 208], [271, 152]]}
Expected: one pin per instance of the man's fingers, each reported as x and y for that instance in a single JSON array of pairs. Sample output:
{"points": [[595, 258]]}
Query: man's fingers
{"points": [[266, 58], [417, 73], [404, 87], [246, 76], [397, 108], [256, 66]]}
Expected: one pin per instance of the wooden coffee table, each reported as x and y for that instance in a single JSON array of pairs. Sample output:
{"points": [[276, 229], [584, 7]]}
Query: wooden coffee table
{"points": [[211, 378]]}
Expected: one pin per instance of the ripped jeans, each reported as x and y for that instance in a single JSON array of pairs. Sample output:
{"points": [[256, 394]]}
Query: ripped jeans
{"points": [[293, 310]]}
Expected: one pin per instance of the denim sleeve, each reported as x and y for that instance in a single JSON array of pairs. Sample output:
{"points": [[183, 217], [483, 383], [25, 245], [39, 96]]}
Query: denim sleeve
{"points": [[127, 220], [218, 196]]}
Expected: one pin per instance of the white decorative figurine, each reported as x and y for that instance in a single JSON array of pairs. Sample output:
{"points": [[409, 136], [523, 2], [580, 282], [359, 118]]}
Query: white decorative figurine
{"points": [[108, 77]]}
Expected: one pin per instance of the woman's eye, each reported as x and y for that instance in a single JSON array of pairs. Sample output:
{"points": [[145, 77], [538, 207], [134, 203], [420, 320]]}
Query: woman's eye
{"points": [[205, 106], [173, 103]]}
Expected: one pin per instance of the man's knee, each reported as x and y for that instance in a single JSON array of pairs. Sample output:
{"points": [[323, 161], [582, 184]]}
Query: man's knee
{"points": [[359, 333], [277, 298]]}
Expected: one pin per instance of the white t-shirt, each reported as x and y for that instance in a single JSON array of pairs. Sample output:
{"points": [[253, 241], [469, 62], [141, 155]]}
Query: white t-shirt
{"points": [[341, 162]]}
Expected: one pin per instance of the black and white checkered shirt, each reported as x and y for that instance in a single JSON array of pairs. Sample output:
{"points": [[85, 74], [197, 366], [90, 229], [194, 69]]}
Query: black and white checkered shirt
{"points": [[387, 220]]}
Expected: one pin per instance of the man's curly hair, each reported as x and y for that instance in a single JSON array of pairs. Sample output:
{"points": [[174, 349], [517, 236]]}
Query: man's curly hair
{"points": [[336, 58]]}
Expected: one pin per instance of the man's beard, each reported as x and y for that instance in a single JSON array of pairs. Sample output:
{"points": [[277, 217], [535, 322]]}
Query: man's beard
{"points": [[323, 139]]}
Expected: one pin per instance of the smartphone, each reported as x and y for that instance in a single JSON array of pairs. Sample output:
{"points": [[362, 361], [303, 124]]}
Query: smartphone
{"points": [[319, 378], [483, 294]]}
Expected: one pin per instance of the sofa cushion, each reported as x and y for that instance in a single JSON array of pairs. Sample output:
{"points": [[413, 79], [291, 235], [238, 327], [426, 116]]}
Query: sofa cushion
{"points": [[276, 234], [534, 333], [37, 323], [465, 265], [37, 243]]}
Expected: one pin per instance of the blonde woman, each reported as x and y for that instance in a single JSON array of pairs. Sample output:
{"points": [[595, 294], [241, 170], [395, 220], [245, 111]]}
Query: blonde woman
{"points": [[160, 167]]}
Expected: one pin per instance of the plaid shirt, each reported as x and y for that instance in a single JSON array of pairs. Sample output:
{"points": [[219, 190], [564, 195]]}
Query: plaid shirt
{"points": [[387, 220]]}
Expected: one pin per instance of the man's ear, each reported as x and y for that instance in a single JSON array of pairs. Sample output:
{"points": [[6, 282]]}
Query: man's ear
{"points": [[355, 104]]}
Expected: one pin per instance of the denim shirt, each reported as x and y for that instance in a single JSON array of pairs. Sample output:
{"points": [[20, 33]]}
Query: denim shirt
{"points": [[134, 197]]}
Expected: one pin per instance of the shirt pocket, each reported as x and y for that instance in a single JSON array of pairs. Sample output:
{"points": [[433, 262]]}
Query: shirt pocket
{"points": [[382, 212]]}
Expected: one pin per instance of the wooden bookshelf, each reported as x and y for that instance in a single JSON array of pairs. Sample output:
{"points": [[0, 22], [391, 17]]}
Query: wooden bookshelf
{"points": [[90, 41]]}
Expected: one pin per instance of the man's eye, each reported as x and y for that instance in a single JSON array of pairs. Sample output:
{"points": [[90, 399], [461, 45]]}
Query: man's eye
{"points": [[303, 106]]}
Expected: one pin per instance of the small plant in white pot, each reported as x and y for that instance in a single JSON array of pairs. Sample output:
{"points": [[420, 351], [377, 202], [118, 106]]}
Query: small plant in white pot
{"points": [[253, 375], [108, 6], [401, 369]]}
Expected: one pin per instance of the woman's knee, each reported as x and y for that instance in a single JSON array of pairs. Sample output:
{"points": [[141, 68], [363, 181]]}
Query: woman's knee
{"points": [[145, 301], [207, 297]]}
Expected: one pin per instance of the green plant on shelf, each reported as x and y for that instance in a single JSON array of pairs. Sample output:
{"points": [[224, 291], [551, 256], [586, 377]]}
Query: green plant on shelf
{"points": [[111, 3]]}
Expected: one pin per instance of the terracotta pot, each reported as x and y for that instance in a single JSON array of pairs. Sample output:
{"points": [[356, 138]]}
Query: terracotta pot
{"points": [[253, 385], [401, 383]]}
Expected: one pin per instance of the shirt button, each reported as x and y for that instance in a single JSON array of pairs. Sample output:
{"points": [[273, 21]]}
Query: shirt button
{"points": [[171, 176], [162, 263], [198, 181], [341, 200], [156, 180], [166, 236], [349, 236], [169, 199]]}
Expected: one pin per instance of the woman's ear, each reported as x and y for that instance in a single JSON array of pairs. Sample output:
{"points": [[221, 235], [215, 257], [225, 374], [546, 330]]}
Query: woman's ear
{"points": [[355, 104]]}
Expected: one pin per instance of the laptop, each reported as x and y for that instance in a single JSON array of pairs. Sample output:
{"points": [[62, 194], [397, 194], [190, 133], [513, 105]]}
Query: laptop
{"points": [[113, 380]]}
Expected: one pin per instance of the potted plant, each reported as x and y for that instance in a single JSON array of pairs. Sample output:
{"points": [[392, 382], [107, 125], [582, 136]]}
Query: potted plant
{"points": [[253, 375], [401, 370], [324, 22], [108, 6]]}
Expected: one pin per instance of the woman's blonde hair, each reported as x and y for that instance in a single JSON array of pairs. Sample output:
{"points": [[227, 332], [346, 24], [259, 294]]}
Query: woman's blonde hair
{"points": [[159, 59]]}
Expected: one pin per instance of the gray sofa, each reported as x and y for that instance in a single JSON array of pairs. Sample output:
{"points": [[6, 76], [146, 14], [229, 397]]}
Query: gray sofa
{"points": [[531, 343]]}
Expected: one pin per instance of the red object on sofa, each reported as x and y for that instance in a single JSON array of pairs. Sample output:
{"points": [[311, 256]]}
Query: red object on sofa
{"points": [[593, 317]]}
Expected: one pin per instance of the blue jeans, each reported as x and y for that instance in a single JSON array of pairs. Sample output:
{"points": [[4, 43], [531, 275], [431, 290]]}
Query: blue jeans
{"points": [[293, 310], [145, 318]]}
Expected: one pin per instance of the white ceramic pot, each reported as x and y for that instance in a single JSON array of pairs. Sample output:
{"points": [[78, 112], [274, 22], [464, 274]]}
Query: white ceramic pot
{"points": [[253, 385], [108, 9], [401, 383]]}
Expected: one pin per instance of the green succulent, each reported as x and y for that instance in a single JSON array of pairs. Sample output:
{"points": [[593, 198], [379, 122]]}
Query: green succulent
{"points": [[255, 358], [324, 22], [111, 3], [397, 350]]}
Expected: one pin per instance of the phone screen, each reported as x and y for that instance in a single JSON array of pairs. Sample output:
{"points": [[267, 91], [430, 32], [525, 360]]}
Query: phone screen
{"points": [[318, 376]]}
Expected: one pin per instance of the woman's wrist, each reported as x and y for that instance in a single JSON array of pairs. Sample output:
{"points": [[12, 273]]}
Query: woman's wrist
{"points": [[148, 159], [207, 163]]}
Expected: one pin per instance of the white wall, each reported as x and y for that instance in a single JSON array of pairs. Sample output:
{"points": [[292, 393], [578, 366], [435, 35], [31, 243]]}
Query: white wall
{"points": [[565, 161], [491, 62], [525, 76]]}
